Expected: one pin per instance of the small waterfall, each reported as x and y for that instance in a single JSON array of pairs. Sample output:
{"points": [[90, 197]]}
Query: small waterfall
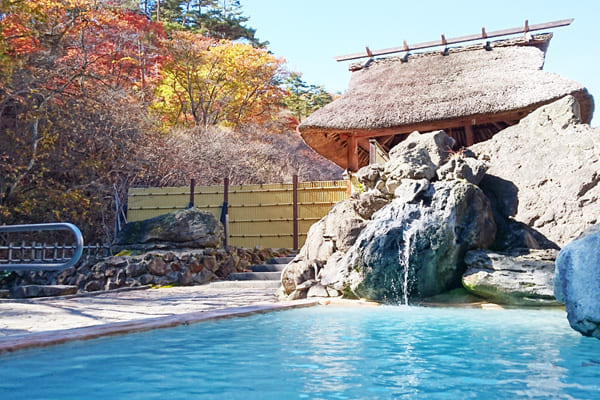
{"points": [[404, 258], [409, 243]]}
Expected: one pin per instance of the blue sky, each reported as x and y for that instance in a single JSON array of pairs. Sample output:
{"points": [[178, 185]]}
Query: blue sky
{"points": [[309, 33]]}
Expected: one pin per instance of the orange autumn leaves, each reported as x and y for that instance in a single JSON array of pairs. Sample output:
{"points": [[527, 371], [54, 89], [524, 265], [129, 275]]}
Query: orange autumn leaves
{"points": [[188, 79], [79, 38]]}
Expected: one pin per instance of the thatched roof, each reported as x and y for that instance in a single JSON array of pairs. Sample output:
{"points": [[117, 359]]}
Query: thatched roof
{"points": [[484, 87]]}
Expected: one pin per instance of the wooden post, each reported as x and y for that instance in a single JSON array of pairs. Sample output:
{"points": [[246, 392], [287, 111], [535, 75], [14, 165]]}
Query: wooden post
{"points": [[192, 188], [470, 136], [352, 153], [225, 210], [372, 151], [295, 210], [349, 186]]}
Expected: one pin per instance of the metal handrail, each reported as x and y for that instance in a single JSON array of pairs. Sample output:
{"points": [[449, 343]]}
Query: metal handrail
{"points": [[57, 226]]}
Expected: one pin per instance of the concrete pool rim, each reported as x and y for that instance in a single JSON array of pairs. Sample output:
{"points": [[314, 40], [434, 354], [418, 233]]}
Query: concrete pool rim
{"points": [[50, 338]]}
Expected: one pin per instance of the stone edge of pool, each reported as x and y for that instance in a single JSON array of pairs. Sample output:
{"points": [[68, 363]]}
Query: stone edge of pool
{"points": [[50, 338]]}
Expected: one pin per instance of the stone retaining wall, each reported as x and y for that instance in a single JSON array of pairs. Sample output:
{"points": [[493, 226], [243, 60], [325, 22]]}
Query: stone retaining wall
{"points": [[180, 267]]}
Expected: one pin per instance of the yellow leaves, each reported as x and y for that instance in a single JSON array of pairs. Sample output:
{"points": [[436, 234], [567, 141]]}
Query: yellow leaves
{"points": [[223, 82]]}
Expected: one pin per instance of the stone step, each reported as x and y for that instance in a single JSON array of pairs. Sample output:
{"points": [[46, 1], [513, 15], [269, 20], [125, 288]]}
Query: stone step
{"points": [[256, 276], [244, 284], [267, 268], [281, 260], [28, 291]]}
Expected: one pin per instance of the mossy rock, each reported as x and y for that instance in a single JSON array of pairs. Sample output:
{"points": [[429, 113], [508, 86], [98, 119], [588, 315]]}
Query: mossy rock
{"points": [[184, 228]]}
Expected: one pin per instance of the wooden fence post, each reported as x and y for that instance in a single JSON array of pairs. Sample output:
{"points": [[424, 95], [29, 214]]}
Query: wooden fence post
{"points": [[225, 211], [295, 210], [192, 188]]}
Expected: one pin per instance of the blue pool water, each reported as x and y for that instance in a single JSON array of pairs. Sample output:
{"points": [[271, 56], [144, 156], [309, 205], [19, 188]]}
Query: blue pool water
{"points": [[323, 353]]}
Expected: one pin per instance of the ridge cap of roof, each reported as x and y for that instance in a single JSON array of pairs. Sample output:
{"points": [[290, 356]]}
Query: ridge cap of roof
{"points": [[539, 40]]}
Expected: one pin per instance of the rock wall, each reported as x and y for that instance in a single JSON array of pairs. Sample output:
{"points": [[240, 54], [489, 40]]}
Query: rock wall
{"points": [[403, 236], [553, 161], [181, 267]]}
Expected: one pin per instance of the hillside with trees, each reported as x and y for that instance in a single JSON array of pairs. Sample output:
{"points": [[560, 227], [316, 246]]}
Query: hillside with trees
{"points": [[98, 96]]}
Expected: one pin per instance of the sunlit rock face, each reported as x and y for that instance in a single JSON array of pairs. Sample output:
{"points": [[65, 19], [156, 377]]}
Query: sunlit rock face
{"points": [[415, 250], [552, 161], [577, 282], [404, 233]]}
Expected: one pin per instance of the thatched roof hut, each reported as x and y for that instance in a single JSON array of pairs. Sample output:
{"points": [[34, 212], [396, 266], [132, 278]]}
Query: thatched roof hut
{"points": [[471, 92]]}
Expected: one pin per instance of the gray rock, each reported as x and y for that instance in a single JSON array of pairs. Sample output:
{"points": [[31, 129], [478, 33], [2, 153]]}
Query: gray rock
{"points": [[146, 279], [210, 262], [516, 235], [317, 290], [116, 261], [554, 162], [369, 175], [335, 272], [503, 195], [522, 277], [228, 267], [190, 228], [158, 267], [369, 202], [29, 291], [337, 231], [411, 163], [297, 272], [65, 274], [511, 234], [392, 184], [411, 190], [415, 251], [577, 283], [437, 143], [136, 269], [204, 276], [459, 166], [93, 286]]}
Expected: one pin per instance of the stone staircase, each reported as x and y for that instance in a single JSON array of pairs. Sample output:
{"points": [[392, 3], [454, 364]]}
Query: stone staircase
{"points": [[266, 275]]}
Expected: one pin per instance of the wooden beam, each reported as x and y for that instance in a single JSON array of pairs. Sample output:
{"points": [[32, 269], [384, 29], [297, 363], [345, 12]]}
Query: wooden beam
{"points": [[352, 156], [461, 39], [363, 143], [509, 117]]}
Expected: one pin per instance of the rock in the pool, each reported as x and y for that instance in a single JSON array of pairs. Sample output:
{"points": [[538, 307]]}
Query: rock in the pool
{"points": [[577, 282]]}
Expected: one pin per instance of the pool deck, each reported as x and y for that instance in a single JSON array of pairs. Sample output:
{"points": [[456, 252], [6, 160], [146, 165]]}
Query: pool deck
{"points": [[47, 321]]}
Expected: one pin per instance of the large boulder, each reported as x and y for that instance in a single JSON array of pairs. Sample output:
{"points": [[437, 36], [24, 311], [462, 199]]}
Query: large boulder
{"points": [[577, 282], [335, 232], [415, 250], [511, 234], [189, 228], [553, 160], [404, 233], [463, 166], [522, 277], [418, 156]]}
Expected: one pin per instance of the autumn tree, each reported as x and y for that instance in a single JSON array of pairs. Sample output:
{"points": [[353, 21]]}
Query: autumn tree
{"points": [[208, 83], [75, 76]]}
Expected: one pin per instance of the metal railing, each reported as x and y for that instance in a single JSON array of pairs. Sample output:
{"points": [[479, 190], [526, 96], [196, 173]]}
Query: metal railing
{"points": [[39, 256]]}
